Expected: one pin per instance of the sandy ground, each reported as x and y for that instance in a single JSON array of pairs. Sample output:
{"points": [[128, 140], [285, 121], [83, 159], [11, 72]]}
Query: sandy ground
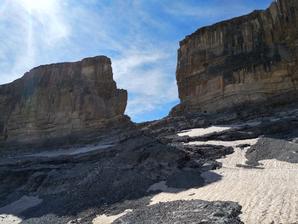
{"points": [[215, 129], [268, 194], [104, 219], [203, 131], [8, 213], [9, 219]]}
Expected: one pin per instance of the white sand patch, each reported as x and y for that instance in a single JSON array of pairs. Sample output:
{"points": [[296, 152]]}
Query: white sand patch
{"points": [[268, 195], [72, 151], [203, 131], [226, 143], [199, 132], [9, 219], [20, 205], [104, 219]]}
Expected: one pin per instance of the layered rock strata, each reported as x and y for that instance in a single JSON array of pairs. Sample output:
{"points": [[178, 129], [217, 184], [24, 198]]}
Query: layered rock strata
{"points": [[251, 59], [61, 100]]}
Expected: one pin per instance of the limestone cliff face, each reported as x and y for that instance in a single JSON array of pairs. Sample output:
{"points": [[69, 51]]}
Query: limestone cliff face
{"points": [[249, 59], [60, 100]]}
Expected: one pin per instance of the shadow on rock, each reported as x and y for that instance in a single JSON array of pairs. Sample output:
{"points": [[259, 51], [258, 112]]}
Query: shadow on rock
{"points": [[84, 185]]}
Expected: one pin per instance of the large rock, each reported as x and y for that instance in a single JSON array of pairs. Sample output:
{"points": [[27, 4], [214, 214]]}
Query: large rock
{"points": [[246, 60], [61, 100]]}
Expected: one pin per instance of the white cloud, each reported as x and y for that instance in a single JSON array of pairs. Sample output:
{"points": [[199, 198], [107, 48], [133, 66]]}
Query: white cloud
{"points": [[43, 31], [47, 16], [146, 77], [28, 28]]}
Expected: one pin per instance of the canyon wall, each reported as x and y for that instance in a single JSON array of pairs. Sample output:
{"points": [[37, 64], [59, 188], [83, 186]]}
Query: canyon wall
{"points": [[245, 61], [57, 101]]}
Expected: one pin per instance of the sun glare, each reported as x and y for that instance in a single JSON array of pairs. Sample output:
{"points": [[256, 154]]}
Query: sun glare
{"points": [[32, 6]]}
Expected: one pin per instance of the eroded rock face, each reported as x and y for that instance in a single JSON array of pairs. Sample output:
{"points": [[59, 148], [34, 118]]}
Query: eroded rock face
{"points": [[249, 59], [60, 100]]}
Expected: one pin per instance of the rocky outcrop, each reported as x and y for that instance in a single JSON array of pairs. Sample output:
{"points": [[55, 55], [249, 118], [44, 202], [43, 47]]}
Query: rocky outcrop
{"points": [[61, 101], [195, 211], [251, 59]]}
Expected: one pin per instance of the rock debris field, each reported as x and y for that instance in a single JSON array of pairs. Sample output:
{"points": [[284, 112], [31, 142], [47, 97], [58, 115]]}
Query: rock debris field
{"points": [[265, 188]]}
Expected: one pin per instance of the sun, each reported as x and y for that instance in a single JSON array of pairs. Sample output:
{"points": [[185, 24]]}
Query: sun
{"points": [[32, 6]]}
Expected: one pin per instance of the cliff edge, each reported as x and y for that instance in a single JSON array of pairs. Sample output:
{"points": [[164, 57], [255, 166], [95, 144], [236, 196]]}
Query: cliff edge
{"points": [[249, 60], [61, 101]]}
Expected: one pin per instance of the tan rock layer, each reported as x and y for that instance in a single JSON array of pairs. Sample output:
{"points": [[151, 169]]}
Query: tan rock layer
{"points": [[59, 100], [249, 59]]}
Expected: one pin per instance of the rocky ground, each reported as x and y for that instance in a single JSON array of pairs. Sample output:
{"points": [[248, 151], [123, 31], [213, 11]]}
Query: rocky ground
{"points": [[195, 211], [61, 185], [261, 174], [123, 177]]}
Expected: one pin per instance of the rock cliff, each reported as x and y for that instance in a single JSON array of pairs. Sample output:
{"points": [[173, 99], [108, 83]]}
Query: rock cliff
{"points": [[59, 101], [249, 60]]}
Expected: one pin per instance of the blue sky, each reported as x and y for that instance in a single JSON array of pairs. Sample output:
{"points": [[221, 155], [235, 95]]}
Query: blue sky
{"points": [[141, 37]]}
